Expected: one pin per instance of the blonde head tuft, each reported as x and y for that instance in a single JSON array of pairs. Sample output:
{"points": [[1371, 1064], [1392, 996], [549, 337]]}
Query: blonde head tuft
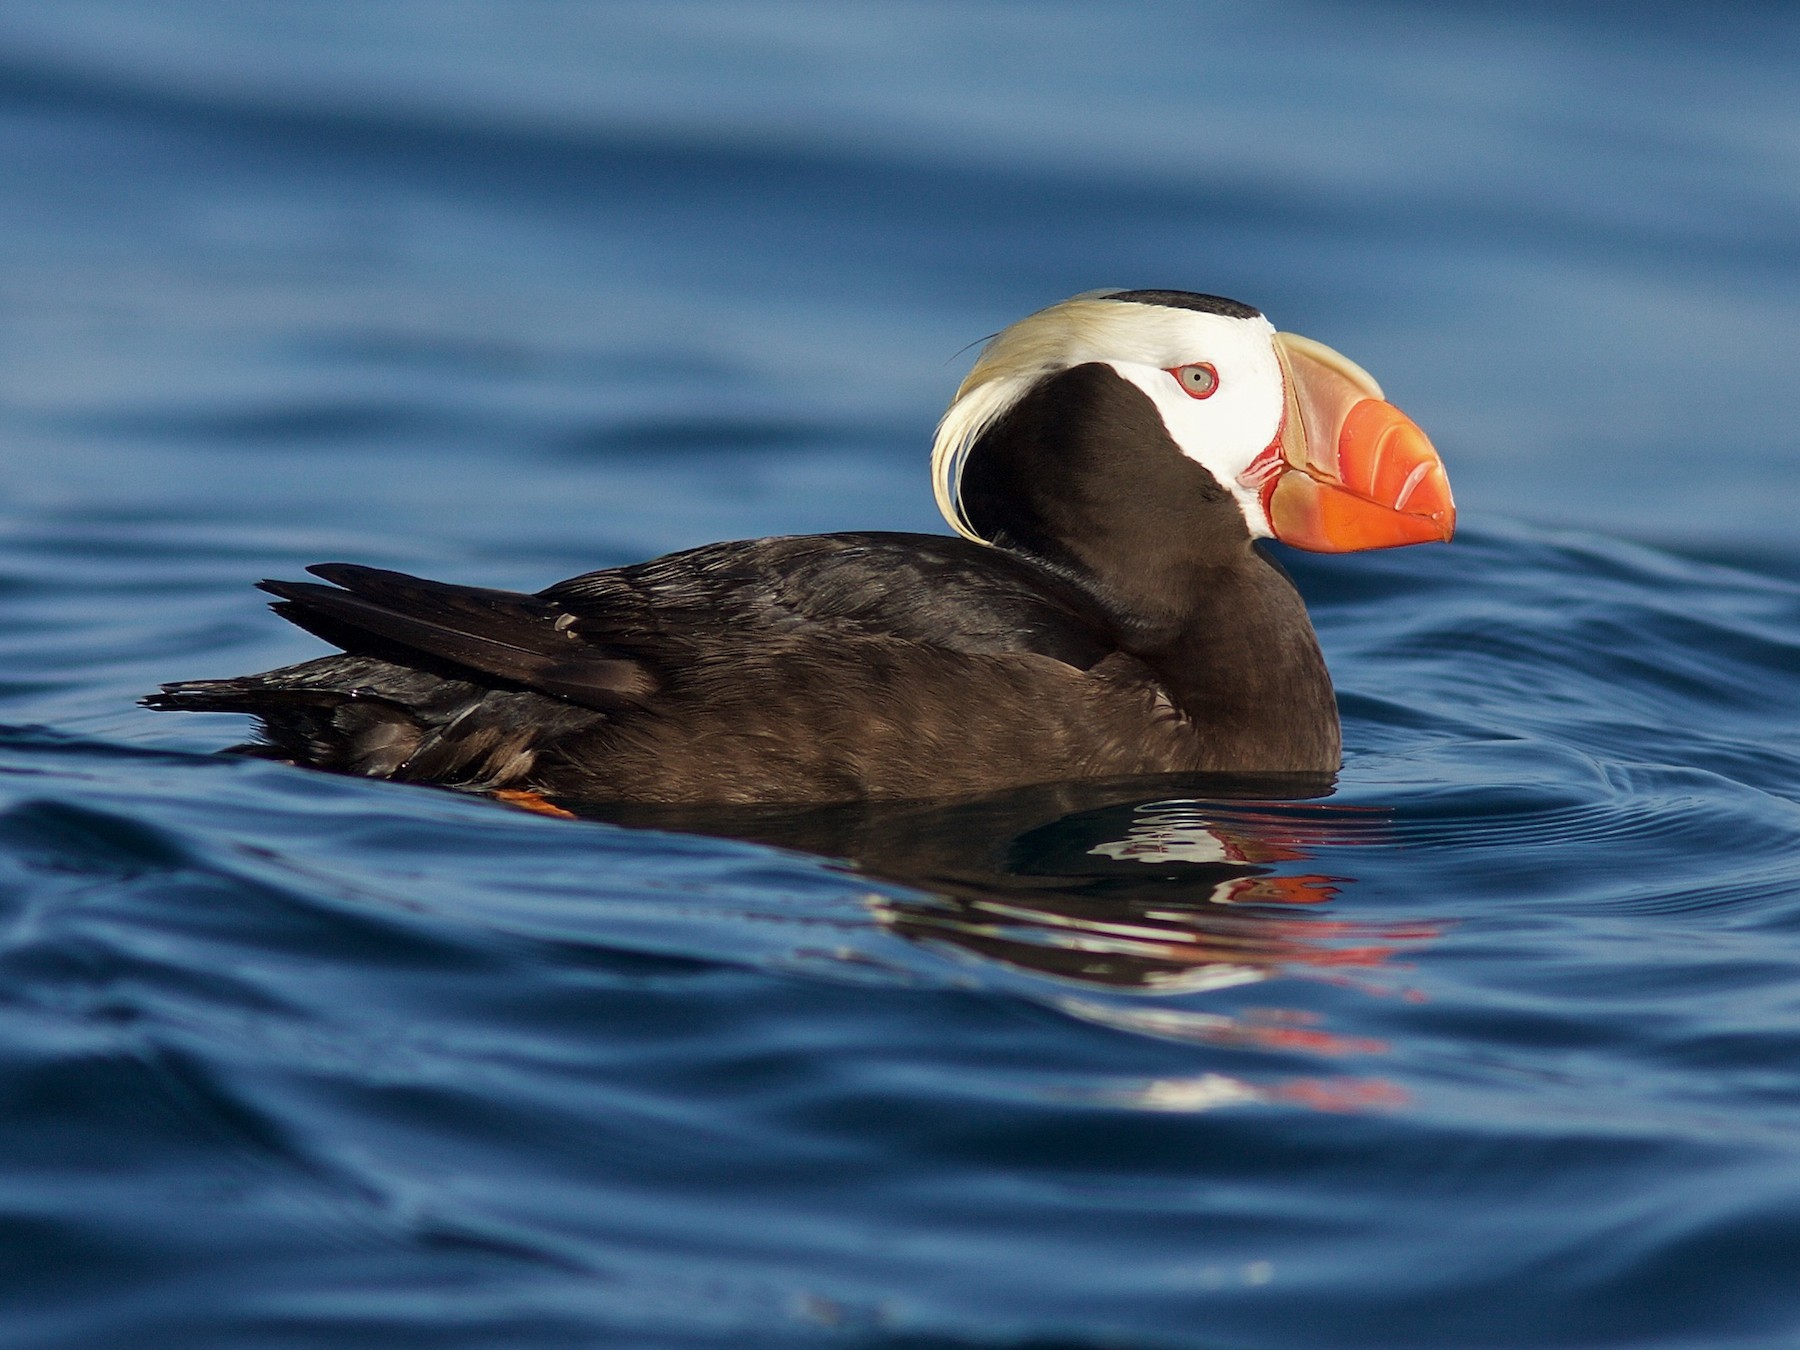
{"points": [[1052, 339]]}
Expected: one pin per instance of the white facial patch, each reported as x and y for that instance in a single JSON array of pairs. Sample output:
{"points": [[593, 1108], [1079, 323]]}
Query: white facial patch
{"points": [[1142, 342], [1225, 431]]}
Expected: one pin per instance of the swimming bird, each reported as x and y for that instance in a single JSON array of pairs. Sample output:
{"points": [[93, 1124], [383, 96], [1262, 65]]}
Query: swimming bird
{"points": [[1104, 608]]}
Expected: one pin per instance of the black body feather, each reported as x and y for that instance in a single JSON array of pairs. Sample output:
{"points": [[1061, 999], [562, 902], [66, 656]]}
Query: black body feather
{"points": [[1125, 624]]}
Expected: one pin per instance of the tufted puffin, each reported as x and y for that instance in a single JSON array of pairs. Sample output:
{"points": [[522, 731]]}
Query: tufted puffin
{"points": [[1103, 610]]}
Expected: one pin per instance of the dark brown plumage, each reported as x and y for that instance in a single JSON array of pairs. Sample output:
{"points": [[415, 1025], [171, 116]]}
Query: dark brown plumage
{"points": [[1120, 621], [808, 669]]}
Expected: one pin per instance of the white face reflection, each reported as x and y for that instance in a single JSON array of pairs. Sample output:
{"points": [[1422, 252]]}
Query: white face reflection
{"points": [[1171, 831]]}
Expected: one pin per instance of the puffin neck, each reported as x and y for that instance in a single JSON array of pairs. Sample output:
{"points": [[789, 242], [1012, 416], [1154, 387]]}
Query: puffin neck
{"points": [[1082, 476]]}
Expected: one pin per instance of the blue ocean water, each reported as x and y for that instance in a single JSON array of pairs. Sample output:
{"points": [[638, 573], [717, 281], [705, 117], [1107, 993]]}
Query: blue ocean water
{"points": [[1497, 1044]]}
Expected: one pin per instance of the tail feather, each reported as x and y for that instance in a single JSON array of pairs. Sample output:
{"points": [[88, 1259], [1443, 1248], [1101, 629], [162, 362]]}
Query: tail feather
{"points": [[311, 714], [245, 694], [448, 684], [363, 715]]}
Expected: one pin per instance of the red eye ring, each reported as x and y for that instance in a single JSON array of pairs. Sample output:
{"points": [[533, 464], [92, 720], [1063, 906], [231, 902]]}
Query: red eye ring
{"points": [[1198, 379]]}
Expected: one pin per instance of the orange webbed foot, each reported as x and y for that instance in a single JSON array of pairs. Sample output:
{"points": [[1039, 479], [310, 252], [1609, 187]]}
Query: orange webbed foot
{"points": [[526, 800]]}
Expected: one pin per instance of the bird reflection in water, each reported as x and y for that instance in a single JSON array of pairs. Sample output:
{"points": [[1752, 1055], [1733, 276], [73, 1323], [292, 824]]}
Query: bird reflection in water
{"points": [[1169, 886]]}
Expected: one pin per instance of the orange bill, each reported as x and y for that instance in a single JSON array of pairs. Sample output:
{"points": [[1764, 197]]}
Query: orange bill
{"points": [[1355, 472]]}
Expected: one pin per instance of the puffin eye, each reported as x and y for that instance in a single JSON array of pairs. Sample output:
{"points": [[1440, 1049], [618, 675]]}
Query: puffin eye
{"points": [[1199, 380]]}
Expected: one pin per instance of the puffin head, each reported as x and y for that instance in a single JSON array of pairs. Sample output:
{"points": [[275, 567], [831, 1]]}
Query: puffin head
{"points": [[1134, 430]]}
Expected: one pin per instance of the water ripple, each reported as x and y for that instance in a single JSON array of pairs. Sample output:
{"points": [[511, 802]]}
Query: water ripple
{"points": [[1491, 1042]]}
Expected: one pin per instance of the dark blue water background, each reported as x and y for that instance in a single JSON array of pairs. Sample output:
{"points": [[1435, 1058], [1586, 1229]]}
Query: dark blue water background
{"points": [[1499, 1045]]}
